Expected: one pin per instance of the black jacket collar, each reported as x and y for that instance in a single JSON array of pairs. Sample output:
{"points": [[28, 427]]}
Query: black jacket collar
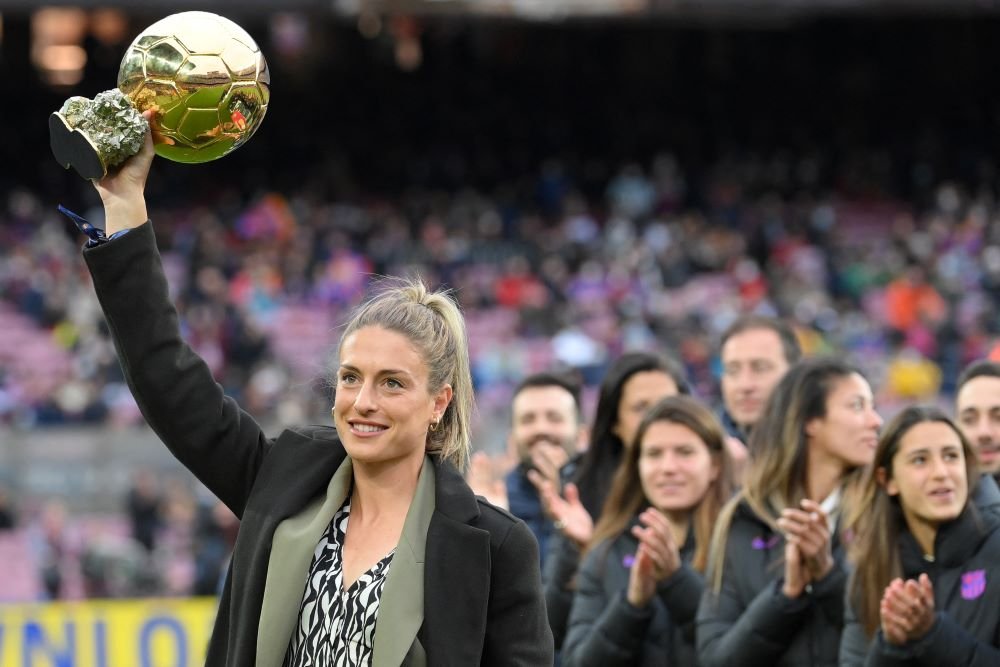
{"points": [[959, 540]]}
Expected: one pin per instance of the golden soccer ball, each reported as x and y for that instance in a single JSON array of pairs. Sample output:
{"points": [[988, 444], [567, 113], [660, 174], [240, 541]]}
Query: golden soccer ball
{"points": [[206, 80]]}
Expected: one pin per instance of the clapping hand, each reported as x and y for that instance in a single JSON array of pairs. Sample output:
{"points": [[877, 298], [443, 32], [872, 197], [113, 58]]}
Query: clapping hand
{"points": [[656, 558], [568, 514], [807, 536], [907, 610]]}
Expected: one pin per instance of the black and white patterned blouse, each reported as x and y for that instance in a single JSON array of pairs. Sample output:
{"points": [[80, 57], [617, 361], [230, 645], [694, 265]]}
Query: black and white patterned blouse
{"points": [[337, 627]]}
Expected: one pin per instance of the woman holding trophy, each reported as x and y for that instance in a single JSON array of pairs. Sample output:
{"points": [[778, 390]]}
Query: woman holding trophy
{"points": [[360, 543]]}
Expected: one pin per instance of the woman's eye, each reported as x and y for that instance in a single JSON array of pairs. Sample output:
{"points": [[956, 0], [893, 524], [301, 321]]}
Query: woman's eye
{"points": [[394, 384], [347, 378]]}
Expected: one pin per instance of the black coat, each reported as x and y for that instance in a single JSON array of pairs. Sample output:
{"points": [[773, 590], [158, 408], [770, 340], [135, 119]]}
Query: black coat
{"points": [[966, 579], [605, 630], [751, 622], [483, 601]]}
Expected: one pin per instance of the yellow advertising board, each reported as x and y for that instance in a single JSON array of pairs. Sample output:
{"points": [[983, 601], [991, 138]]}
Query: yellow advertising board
{"points": [[107, 633]]}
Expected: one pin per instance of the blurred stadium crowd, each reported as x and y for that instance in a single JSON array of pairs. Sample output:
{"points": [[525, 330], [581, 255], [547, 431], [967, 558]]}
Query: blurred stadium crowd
{"points": [[640, 202]]}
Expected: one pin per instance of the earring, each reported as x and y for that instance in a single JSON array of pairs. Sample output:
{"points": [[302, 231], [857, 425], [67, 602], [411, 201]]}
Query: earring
{"points": [[434, 426]]}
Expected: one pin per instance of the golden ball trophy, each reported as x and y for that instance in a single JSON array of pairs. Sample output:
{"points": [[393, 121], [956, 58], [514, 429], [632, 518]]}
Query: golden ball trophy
{"points": [[202, 75]]}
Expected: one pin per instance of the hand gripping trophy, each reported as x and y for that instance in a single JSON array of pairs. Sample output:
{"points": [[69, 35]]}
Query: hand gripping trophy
{"points": [[202, 75]]}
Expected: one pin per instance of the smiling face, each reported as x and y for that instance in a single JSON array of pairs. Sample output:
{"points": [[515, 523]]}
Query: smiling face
{"points": [[929, 474], [383, 407], [640, 392], [545, 417], [676, 467], [978, 408], [848, 432]]}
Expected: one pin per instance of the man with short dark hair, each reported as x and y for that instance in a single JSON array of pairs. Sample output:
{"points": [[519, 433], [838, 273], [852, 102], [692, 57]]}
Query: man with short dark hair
{"points": [[546, 431], [755, 353], [977, 407]]}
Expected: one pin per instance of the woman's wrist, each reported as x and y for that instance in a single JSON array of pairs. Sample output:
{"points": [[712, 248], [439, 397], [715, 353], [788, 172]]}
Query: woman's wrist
{"points": [[636, 599], [122, 214], [790, 591]]}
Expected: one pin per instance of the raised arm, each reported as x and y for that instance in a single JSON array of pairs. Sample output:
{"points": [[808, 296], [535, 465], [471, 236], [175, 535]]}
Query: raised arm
{"points": [[173, 387]]}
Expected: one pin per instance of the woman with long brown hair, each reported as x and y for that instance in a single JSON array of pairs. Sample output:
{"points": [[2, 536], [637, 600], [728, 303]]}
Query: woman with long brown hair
{"points": [[638, 587], [924, 590], [776, 577], [634, 382]]}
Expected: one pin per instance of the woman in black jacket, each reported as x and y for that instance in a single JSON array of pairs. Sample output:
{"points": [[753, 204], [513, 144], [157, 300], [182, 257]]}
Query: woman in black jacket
{"points": [[640, 582], [422, 573], [776, 581], [926, 585], [633, 384]]}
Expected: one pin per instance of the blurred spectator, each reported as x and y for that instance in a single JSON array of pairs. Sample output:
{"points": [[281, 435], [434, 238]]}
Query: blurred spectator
{"points": [[55, 549], [546, 431], [118, 568], [144, 508], [8, 514], [214, 539]]}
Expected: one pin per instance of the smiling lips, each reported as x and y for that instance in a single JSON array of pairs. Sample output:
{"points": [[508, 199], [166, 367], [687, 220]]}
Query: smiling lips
{"points": [[366, 428], [670, 487]]}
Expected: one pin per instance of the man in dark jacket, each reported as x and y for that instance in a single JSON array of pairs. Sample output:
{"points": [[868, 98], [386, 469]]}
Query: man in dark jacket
{"points": [[977, 408], [546, 431]]}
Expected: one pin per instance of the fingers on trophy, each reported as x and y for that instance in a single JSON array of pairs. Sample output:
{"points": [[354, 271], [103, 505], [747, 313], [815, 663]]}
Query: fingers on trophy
{"points": [[202, 75]]}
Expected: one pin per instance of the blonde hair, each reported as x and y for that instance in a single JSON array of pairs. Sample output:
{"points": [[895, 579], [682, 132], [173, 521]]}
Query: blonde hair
{"points": [[433, 323]]}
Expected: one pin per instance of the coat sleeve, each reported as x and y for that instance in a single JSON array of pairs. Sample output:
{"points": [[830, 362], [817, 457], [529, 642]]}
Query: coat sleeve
{"points": [[604, 630], [828, 594], [560, 568], [222, 445], [732, 631], [681, 593], [517, 630], [947, 643]]}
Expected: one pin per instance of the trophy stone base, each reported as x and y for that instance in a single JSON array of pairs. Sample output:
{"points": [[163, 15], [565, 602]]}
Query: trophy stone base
{"points": [[72, 148]]}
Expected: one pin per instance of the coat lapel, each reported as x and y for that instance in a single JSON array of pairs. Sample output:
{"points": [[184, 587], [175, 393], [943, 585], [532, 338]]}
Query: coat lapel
{"points": [[401, 607], [292, 549]]}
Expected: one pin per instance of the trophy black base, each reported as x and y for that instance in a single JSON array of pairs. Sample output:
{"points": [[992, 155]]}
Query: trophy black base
{"points": [[72, 148]]}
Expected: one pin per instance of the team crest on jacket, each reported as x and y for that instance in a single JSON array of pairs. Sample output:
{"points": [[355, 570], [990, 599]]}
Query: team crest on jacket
{"points": [[760, 542], [973, 584]]}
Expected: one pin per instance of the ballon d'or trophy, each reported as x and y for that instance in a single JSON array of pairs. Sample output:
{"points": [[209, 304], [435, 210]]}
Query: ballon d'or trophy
{"points": [[202, 75]]}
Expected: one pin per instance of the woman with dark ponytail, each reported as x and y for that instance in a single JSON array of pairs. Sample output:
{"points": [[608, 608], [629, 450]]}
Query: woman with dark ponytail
{"points": [[776, 577]]}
